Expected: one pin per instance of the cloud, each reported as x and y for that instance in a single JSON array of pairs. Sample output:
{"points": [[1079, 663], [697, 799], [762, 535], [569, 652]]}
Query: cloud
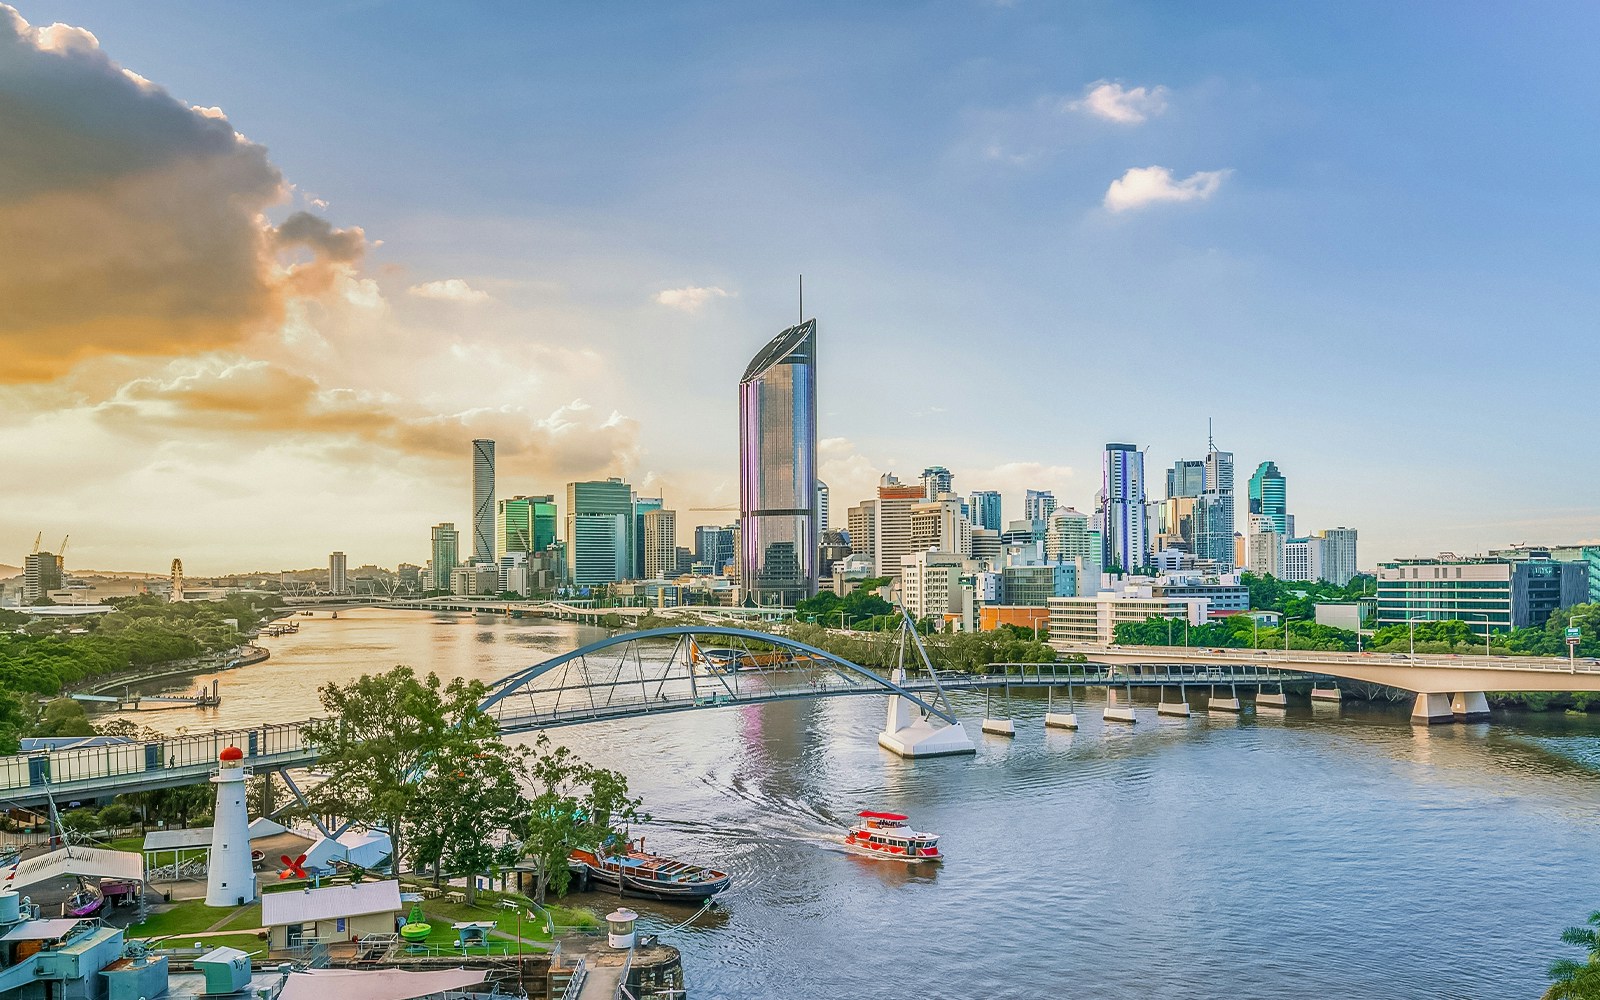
{"points": [[1116, 103], [449, 290], [1142, 186], [690, 299], [133, 224], [230, 397]]}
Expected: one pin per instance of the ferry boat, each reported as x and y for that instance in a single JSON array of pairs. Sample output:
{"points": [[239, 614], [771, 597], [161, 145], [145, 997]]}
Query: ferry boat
{"points": [[887, 835], [640, 873]]}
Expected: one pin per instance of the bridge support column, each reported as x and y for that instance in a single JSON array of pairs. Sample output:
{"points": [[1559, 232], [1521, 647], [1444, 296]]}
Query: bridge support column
{"points": [[1115, 711], [1229, 705], [1059, 720], [1332, 694], [999, 727], [1177, 709], [1272, 699], [910, 733], [1431, 710], [1469, 706]]}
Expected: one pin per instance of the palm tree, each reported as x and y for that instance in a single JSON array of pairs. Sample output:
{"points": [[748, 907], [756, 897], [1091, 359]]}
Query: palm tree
{"points": [[1571, 980]]}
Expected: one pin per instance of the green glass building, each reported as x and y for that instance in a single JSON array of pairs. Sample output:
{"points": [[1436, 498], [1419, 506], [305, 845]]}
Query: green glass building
{"points": [[1269, 496], [526, 524]]}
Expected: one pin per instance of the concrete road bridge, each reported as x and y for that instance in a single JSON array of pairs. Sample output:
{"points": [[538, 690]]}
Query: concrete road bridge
{"points": [[573, 610], [1447, 687], [696, 667]]}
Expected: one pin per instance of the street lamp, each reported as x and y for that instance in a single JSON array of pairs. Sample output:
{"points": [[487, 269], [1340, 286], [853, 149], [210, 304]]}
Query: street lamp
{"points": [[1487, 629], [1572, 645], [1286, 621], [1412, 625]]}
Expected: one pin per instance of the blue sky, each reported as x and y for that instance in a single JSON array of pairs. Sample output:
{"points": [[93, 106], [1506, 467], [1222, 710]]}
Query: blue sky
{"points": [[1388, 288]]}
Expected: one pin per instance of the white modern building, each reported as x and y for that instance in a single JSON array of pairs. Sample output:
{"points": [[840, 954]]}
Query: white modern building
{"points": [[1095, 619], [1339, 555], [338, 577], [660, 544], [1302, 559], [937, 585]]}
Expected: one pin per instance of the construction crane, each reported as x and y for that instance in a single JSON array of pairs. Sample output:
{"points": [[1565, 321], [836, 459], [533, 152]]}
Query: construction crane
{"points": [[61, 553], [36, 540], [724, 507]]}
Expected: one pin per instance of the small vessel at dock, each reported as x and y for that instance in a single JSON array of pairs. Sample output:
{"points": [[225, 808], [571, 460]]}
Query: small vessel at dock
{"points": [[888, 835], [637, 872]]}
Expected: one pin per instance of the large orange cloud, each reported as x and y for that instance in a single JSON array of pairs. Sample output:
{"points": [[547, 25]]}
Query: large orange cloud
{"points": [[132, 223]]}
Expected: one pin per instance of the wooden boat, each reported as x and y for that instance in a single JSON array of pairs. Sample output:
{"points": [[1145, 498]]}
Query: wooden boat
{"points": [[86, 902], [637, 872]]}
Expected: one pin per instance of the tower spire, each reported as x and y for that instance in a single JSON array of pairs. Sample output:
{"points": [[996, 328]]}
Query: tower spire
{"points": [[802, 298]]}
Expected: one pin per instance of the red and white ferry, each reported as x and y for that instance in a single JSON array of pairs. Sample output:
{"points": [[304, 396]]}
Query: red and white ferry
{"points": [[886, 835]]}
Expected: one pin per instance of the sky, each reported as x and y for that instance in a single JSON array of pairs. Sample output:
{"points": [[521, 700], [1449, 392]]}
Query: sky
{"points": [[266, 270]]}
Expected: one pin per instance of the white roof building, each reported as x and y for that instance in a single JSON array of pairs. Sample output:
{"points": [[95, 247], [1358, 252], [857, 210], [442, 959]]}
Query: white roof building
{"points": [[329, 903]]}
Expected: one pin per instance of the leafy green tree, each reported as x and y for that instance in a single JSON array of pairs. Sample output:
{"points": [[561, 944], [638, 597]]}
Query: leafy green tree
{"points": [[1574, 980], [63, 717], [572, 805], [379, 738], [467, 794], [13, 719]]}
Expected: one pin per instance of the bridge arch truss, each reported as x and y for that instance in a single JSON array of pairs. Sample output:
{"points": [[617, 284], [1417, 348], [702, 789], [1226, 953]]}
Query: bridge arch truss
{"points": [[678, 669]]}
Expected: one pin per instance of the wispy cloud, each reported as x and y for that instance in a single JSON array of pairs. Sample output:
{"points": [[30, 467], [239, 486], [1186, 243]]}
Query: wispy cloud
{"points": [[1142, 186], [449, 290], [690, 298], [1123, 105]]}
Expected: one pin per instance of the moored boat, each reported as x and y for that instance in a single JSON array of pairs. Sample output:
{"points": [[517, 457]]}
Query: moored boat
{"points": [[86, 902], [889, 835], [638, 872]]}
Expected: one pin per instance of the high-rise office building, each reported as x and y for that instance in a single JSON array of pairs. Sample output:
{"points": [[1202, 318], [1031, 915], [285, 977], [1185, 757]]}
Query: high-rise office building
{"points": [[1186, 478], [660, 544], [1497, 593], [984, 509], [939, 525], [483, 546], [526, 524], [778, 470], [599, 531], [937, 479], [1338, 555], [861, 523], [641, 507], [1269, 496], [713, 546], [445, 547], [338, 578], [892, 522], [41, 573], [1127, 536], [1214, 510], [1071, 540], [822, 507], [1037, 505], [1302, 559]]}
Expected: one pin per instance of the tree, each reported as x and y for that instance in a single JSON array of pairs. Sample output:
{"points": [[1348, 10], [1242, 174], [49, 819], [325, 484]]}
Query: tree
{"points": [[63, 717], [466, 795], [13, 717], [380, 736], [1573, 980], [574, 805]]}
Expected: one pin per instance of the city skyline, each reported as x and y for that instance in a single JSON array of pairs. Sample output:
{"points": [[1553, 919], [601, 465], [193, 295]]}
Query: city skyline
{"points": [[334, 357]]}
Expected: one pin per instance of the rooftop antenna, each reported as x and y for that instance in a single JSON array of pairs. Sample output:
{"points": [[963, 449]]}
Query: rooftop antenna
{"points": [[802, 298], [1211, 442]]}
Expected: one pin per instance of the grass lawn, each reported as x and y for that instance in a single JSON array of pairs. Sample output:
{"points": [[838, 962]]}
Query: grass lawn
{"points": [[441, 914], [192, 916], [244, 942]]}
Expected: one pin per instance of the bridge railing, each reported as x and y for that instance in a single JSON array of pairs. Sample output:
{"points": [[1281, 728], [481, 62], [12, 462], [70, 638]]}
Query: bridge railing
{"points": [[63, 768]]}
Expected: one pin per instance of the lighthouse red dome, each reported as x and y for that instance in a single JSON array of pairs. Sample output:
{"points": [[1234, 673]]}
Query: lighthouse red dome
{"points": [[231, 753]]}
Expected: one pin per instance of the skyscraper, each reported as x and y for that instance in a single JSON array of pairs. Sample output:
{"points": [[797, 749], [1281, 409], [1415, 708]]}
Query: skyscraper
{"points": [[41, 573], [891, 529], [641, 507], [1126, 534], [937, 479], [713, 546], [1269, 496], [985, 509], [525, 524], [599, 531], [445, 549], [660, 544], [1339, 555], [1214, 512], [1186, 478], [338, 579], [1037, 505], [483, 500], [778, 470]]}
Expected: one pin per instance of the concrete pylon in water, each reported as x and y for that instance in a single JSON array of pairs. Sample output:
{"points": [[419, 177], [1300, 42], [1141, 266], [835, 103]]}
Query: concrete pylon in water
{"points": [[230, 877], [912, 732]]}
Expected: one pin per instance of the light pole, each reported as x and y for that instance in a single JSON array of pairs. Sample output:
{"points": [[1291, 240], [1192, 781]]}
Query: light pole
{"points": [[1487, 630], [1286, 621], [1411, 623], [1572, 645], [842, 626]]}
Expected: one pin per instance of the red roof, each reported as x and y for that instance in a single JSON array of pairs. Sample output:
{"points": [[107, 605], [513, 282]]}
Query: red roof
{"points": [[869, 814]]}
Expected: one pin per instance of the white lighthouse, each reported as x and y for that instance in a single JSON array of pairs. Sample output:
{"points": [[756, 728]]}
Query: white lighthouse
{"points": [[230, 878]]}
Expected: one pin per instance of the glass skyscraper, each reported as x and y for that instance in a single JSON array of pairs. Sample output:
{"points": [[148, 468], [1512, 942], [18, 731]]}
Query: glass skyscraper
{"points": [[483, 501], [985, 509], [1269, 496], [1126, 533], [778, 470]]}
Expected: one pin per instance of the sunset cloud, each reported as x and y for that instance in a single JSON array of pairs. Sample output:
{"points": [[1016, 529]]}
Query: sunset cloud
{"points": [[449, 290], [133, 223], [690, 299]]}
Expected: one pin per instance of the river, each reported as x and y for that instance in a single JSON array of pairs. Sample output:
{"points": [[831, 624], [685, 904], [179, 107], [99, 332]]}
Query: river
{"points": [[1329, 852]]}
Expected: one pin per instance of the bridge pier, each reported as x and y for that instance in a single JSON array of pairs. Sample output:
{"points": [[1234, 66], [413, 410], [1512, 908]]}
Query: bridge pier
{"points": [[1059, 720], [993, 726], [1469, 706], [1116, 712], [1431, 710], [1229, 705], [910, 733], [1270, 699], [1332, 694], [1177, 709]]}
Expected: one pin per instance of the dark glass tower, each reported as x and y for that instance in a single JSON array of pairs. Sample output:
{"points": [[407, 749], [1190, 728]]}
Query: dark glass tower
{"points": [[778, 470]]}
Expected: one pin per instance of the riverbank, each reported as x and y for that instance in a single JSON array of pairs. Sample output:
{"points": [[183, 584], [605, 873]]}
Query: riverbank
{"points": [[232, 659]]}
